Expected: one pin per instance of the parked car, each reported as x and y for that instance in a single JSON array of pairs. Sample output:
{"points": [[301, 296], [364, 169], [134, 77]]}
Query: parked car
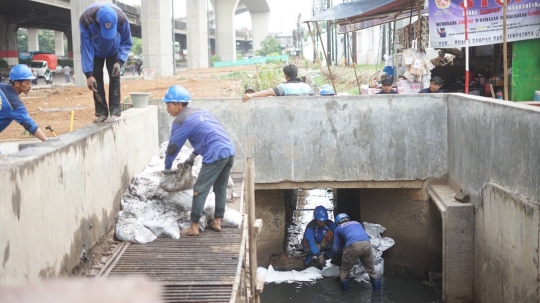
{"points": [[58, 69]]}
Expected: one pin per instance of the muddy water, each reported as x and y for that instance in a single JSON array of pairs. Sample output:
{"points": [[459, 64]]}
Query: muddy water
{"points": [[394, 289]]}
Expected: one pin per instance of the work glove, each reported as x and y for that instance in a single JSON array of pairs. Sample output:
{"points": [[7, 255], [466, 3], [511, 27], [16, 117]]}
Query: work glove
{"points": [[115, 70], [168, 171], [190, 160], [92, 84]]}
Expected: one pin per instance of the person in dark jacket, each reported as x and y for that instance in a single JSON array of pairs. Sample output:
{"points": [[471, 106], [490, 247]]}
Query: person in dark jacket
{"points": [[105, 39], [208, 139], [352, 241], [11, 106], [318, 237], [386, 87], [435, 85]]}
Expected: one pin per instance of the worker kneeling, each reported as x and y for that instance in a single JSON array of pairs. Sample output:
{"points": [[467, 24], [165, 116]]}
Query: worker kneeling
{"points": [[209, 140], [352, 240], [318, 237]]}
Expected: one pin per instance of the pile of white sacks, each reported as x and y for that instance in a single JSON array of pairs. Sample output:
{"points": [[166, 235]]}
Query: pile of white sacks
{"points": [[378, 245], [149, 211]]}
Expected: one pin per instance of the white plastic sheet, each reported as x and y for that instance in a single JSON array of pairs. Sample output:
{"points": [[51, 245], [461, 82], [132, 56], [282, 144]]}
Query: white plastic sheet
{"points": [[308, 275], [148, 213]]}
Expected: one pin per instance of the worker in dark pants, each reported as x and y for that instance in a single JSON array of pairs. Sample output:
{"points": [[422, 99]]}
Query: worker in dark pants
{"points": [[318, 237], [209, 140], [105, 40], [352, 241]]}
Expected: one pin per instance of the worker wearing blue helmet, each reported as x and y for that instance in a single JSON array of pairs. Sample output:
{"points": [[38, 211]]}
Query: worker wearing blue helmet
{"points": [[353, 243], [11, 106], [208, 139], [318, 237]]}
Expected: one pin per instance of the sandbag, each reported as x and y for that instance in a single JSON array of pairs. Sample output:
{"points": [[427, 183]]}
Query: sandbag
{"points": [[181, 180]]}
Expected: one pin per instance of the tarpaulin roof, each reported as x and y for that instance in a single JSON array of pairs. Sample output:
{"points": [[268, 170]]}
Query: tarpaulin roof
{"points": [[380, 11]]}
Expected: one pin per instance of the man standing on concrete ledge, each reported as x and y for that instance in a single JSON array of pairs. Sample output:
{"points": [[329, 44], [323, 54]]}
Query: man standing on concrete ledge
{"points": [[209, 140], [351, 239], [105, 39], [11, 107], [434, 86], [293, 86]]}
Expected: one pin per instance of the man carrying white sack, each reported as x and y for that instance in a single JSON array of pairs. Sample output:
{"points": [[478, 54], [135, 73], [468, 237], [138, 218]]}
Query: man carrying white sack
{"points": [[208, 139]]}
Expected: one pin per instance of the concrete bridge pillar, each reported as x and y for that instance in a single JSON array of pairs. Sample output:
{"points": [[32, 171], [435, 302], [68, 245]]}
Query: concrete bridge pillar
{"points": [[33, 39], [157, 39], [8, 42], [259, 22], [197, 34], [225, 35], [59, 43]]}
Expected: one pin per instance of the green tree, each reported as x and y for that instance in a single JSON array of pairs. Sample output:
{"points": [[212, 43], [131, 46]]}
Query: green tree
{"points": [[136, 49], [268, 45], [22, 40], [46, 40]]}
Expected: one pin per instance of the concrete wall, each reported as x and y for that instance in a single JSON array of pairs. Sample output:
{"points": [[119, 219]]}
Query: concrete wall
{"points": [[493, 156], [356, 138], [405, 215], [60, 197], [270, 207]]}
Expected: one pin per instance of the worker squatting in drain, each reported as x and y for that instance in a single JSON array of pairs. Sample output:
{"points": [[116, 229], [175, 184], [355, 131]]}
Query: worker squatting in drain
{"points": [[209, 140], [11, 106]]}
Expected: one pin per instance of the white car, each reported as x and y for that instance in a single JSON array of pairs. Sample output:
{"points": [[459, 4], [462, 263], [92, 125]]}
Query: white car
{"points": [[58, 69]]}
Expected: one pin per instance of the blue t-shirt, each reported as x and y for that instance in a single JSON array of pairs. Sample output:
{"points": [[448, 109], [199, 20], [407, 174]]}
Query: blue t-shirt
{"points": [[314, 234], [12, 109], [348, 233], [205, 134]]}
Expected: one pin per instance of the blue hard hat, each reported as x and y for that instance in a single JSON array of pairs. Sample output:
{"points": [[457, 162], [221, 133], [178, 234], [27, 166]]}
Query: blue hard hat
{"points": [[177, 93], [21, 72], [341, 217], [327, 90], [320, 213]]}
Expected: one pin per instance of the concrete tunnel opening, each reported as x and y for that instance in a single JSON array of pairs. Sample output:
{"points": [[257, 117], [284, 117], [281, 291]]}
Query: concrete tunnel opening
{"points": [[409, 215]]}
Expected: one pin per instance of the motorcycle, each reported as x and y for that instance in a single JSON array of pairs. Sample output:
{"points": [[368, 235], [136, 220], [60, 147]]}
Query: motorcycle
{"points": [[48, 76]]}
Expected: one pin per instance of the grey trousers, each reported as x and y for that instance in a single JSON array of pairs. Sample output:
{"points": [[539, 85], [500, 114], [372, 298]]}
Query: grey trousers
{"points": [[214, 174], [351, 254]]}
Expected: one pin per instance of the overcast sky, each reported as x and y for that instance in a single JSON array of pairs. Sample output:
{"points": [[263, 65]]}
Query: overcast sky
{"points": [[283, 13]]}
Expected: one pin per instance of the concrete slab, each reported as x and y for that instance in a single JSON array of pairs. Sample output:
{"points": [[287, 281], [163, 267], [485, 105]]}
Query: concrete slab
{"points": [[458, 245]]}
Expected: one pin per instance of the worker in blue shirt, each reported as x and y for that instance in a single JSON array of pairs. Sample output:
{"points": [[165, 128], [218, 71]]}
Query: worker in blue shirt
{"points": [[105, 39], [352, 241], [11, 107], [208, 139], [318, 237]]}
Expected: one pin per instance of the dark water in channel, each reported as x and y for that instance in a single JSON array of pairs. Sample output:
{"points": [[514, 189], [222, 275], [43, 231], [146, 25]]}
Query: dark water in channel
{"points": [[394, 289]]}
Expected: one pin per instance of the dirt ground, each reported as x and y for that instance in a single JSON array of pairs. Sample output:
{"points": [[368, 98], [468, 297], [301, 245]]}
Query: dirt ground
{"points": [[53, 106]]}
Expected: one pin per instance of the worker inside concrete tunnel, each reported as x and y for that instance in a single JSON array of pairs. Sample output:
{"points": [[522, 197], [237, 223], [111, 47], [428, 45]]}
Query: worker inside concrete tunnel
{"points": [[386, 86], [318, 237], [351, 242], [208, 139], [11, 106], [435, 85], [293, 87], [105, 40]]}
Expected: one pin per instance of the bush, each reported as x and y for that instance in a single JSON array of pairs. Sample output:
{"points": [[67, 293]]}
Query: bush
{"points": [[3, 64], [270, 75], [64, 62], [215, 58]]}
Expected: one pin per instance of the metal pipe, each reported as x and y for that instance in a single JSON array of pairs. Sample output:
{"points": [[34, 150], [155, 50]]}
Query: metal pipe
{"points": [[505, 52], [326, 58]]}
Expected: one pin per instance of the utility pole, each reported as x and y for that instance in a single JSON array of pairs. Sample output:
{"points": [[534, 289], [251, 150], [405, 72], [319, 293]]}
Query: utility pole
{"points": [[328, 36]]}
